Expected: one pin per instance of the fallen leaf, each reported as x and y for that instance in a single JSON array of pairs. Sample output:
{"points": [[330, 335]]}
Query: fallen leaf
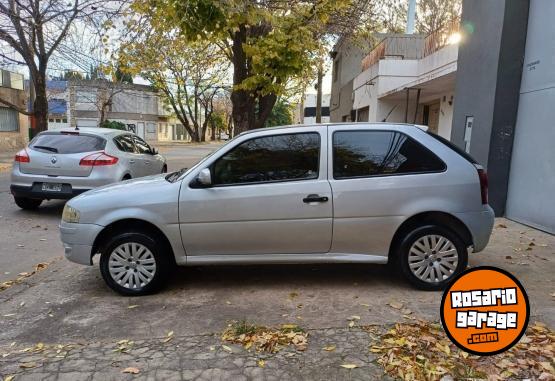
{"points": [[395, 305], [349, 366], [329, 348], [228, 302], [293, 295], [133, 306], [502, 226], [351, 324], [9, 378], [508, 257], [261, 363], [28, 365], [354, 317], [131, 370], [226, 348]]}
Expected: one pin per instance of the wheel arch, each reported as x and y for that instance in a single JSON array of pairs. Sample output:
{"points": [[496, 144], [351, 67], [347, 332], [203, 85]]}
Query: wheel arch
{"points": [[434, 217], [135, 225]]}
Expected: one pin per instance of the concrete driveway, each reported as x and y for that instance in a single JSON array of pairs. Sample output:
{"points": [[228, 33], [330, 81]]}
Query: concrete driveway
{"points": [[69, 304]]}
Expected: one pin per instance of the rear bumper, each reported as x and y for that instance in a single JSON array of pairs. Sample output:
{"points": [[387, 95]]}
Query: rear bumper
{"points": [[34, 191], [480, 225]]}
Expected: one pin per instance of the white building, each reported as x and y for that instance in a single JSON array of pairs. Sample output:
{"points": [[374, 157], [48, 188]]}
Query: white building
{"points": [[305, 112], [408, 79]]}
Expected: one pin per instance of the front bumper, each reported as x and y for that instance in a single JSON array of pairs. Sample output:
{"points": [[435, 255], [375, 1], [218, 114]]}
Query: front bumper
{"points": [[35, 191], [78, 240]]}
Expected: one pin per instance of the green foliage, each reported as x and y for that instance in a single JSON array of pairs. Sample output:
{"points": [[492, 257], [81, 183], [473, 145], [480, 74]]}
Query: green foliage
{"points": [[113, 124], [281, 114]]}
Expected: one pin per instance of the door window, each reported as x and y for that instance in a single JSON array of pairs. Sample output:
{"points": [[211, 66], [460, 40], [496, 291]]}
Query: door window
{"points": [[270, 158], [125, 143], [379, 153], [141, 145]]}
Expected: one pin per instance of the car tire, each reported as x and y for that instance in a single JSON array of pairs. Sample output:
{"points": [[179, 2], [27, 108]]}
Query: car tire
{"points": [[431, 256], [138, 260], [27, 203]]}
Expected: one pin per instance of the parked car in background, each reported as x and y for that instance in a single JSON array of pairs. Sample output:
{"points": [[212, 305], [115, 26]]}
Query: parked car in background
{"points": [[357, 193], [62, 164]]}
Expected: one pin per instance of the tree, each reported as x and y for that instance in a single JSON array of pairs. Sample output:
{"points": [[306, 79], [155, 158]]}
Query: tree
{"points": [[281, 114], [188, 74], [269, 43], [34, 31]]}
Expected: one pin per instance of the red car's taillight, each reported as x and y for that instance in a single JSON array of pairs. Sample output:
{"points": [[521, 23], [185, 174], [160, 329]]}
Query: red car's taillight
{"points": [[483, 184], [22, 156], [98, 158]]}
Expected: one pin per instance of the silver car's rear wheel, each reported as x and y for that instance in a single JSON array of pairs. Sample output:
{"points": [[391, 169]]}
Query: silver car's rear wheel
{"points": [[132, 265], [433, 258]]}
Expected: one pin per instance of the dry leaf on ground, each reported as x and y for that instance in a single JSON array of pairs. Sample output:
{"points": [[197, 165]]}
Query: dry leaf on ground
{"points": [[131, 370]]}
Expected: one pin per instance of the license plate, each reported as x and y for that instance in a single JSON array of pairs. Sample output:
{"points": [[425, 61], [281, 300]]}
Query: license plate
{"points": [[51, 187]]}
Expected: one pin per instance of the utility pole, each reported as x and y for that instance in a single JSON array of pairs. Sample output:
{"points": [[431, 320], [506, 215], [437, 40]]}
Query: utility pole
{"points": [[410, 17], [319, 94]]}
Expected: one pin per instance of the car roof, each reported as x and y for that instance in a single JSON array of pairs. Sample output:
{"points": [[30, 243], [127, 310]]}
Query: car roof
{"points": [[376, 125], [91, 130]]}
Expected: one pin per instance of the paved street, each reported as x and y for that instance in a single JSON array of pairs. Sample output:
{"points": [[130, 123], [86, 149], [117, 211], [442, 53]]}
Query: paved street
{"points": [[31, 237], [67, 304]]}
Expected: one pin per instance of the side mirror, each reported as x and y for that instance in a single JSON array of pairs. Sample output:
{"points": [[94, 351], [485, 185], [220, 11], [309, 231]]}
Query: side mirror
{"points": [[205, 177], [153, 151]]}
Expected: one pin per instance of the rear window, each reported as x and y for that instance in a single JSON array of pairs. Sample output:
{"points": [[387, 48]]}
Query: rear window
{"points": [[67, 143], [380, 153], [454, 147]]}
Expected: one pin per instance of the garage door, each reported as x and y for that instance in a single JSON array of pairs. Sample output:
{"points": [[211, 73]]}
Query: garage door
{"points": [[532, 177], [87, 123]]}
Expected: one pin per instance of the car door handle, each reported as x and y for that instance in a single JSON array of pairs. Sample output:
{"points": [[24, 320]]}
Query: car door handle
{"points": [[147, 162], [314, 198], [131, 161]]}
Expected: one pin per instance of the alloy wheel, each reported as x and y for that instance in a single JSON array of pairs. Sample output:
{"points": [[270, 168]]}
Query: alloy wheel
{"points": [[433, 258], [132, 265]]}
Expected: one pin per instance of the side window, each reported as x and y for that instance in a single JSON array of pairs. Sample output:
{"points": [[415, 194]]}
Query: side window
{"points": [[374, 153], [124, 143], [141, 145], [270, 158]]}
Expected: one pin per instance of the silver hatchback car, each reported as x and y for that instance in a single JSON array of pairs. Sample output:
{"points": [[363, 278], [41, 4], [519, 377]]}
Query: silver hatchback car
{"points": [[357, 193], [62, 164]]}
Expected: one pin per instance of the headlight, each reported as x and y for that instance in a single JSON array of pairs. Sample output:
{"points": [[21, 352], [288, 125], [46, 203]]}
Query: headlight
{"points": [[70, 214]]}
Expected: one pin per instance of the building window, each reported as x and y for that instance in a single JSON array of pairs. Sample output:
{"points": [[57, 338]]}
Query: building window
{"points": [[311, 111], [9, 121], [64, 120]]}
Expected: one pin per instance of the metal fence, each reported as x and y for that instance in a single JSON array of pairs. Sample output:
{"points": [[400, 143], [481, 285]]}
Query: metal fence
{"points": [[441, 37]]}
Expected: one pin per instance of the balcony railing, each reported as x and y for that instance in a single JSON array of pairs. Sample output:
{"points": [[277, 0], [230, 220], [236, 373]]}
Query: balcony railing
{"points": [[374, 56], [441, 37]]}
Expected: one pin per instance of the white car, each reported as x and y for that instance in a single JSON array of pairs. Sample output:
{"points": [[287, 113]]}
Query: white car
{"points": [[62, 164], [358, 193]]}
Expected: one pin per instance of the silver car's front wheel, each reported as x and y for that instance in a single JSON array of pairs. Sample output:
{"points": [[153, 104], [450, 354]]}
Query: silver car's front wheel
{"points": [[135, 263], [433, 258], [132, 265]]}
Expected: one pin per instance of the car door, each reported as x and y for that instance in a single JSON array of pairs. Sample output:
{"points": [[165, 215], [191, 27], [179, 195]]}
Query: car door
{"points": [[125, 144], [375, 175], [270, 195], [147, 162]]}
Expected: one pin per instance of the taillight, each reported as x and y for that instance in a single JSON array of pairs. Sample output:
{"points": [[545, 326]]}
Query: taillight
{"points": [[98, 158], [22, 156], [483, 184]]}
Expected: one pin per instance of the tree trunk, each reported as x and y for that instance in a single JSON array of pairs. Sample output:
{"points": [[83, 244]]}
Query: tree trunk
{"points": [[40, 106]]}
